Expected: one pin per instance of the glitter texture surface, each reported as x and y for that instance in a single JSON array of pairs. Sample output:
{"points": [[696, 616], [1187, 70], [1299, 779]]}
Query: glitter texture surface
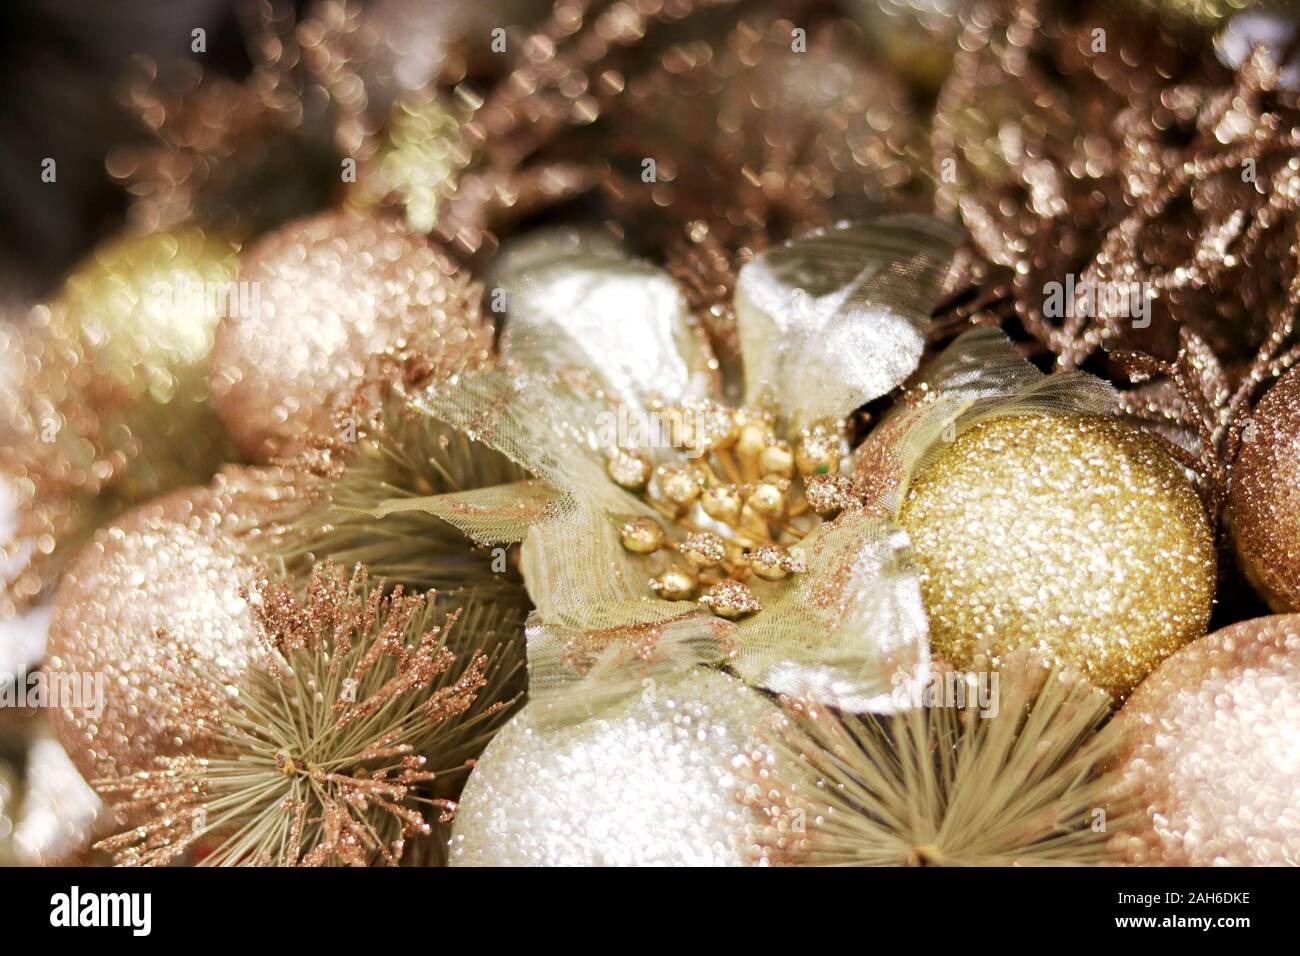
{"points": [[140, 307], [105, 400], [332, 291], [154, 596], [1264, 503], [1215, 750], [651, 781], [1076, 536]]}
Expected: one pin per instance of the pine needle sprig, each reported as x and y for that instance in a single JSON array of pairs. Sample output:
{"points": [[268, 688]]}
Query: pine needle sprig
{"points": [[346, 741], [381, 449], [943, 786]]}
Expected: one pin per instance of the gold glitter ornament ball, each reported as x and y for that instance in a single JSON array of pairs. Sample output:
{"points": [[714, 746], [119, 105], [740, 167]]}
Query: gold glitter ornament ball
{"points": [[1076, 536], [152, 605], [1213, 751], [144, 309], [649, 781], [109, 404], [331, 292], [1264, 501]]}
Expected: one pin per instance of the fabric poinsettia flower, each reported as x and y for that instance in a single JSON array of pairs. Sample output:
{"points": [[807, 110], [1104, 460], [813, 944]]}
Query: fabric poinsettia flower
{"points": [[675, 518]]}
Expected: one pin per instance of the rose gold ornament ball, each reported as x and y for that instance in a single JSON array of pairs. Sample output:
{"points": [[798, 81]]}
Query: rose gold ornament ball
{"points": [[1264, 502], [327, 294], [152, 610], [1214, 750]]}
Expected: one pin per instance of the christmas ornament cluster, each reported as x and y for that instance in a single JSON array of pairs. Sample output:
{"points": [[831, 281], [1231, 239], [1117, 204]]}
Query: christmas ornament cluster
{"points": [[653, 434]]}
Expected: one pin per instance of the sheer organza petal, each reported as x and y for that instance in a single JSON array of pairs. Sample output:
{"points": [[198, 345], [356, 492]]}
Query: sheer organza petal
{"points": [[556, 425], [577, 302], [500, 514], [978, 377], [850, 631], [597, 632], [835, 319]]}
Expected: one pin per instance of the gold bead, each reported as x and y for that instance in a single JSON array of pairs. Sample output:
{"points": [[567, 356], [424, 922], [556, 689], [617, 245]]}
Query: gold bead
{"points": [[701, 426], [642, 536], [744, 417], [768, 562], [753, 438], [777, 459], [722, 503], [675, 584], [770, 498], [828, 495], [703, 549], [722, 427], [680, 485], [730, 599], [819, 449], [628, 469]]}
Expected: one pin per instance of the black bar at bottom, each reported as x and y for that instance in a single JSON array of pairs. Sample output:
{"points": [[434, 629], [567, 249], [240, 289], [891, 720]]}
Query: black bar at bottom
{"points": [[401, 906]]}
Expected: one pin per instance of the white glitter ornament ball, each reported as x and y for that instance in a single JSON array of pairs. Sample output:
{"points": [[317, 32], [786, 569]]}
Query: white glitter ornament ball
{"points": [[650, 781]]}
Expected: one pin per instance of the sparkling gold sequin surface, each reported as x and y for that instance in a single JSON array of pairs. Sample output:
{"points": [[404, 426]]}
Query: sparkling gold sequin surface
{"points": [[1074, 535], [649, 781], [107, 405], [332, 291], [1214, 750], [1264, 502], [152, 599], [144, 309]]}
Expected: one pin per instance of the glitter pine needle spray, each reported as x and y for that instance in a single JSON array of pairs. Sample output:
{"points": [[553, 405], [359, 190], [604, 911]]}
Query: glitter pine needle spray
{"points": [[333, 750]]}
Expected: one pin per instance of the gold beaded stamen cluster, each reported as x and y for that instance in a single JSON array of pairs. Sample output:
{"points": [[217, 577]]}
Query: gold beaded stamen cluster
{"points": [[738, 501]]}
